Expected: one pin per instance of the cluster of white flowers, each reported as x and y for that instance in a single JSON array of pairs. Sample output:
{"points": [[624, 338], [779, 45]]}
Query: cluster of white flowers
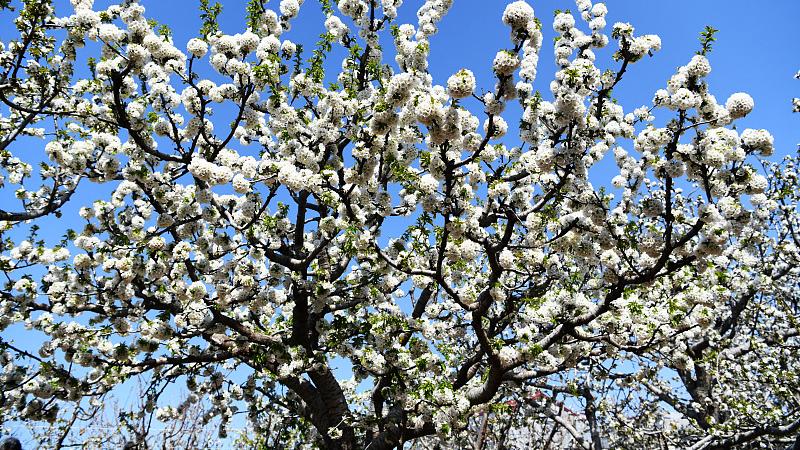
{"points": [[739, 105], [209, 172], [498, 128], [461, 84], [429, 14], [505, 63], [698, 67], [428, 184], [720, 145], [563, 22], [290, 8], [645, 44], [518, 15], [197, 47], [760, 140], [336, 27], [685, 99], [353, 8]]}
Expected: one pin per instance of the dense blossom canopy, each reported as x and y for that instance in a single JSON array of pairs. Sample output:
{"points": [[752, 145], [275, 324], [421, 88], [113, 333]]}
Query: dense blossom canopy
{"points": [[356, 255]]}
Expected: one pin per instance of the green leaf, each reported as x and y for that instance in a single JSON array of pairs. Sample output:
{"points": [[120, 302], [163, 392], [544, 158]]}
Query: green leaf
{"points": [[209, 14]]}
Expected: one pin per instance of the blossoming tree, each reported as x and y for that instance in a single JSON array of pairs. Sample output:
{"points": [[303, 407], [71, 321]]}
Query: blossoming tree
{"points": [[369, 257]]}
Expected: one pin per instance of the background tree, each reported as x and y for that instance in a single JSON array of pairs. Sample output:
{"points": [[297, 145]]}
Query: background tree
{"points": [[109, 423], [367, 259]]}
